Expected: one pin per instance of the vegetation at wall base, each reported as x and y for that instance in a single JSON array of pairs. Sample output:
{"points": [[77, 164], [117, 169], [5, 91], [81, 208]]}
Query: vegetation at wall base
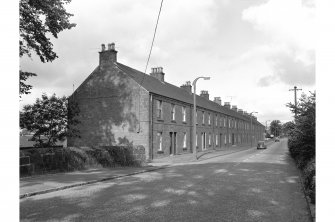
{"points": [[301, 140], [49, 160]]}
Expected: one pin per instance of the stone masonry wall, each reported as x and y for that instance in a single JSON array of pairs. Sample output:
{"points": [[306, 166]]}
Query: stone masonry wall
{"points": [[110, 108]]}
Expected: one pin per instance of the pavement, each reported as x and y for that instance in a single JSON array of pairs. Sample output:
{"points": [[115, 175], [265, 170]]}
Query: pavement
{"points": [[30, 186], [250, 185]]}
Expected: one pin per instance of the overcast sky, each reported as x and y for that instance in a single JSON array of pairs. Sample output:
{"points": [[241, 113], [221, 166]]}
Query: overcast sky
{"points": [[253, 50]]}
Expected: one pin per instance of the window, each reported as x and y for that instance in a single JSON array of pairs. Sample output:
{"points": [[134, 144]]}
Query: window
{"points": [[184, 141], [224, 122], [159, 109], [228, 123], [159, 141], [203, 117], [217, 140], [184, 113], [229, 138], [209, 119], [173, 111], [209, 139], [216, 120], [235, 124], [225, 139]]}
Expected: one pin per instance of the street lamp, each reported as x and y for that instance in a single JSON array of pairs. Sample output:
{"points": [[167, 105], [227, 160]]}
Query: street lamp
{"points": [[252, 134], [194, 148]]}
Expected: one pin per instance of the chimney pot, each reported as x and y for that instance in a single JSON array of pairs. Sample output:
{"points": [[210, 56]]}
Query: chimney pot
{"points": [[107, 57], [113, 45], [158, 73], [187, 86], [227, 105]]}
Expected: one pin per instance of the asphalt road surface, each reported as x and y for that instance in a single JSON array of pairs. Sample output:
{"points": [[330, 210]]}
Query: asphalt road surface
{"points": [[252, 185]]}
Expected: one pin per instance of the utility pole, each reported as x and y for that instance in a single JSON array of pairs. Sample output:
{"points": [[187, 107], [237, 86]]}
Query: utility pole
{"points": [[295, 89]]}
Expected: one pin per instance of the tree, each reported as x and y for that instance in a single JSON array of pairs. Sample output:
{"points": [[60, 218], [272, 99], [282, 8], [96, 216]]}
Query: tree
{"points": [[288, 127], [275, 127], [49, 119], [39, 18]]}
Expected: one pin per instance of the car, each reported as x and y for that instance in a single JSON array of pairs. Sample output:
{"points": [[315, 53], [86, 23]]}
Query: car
{"points": [[277, 139], [261, 145]]}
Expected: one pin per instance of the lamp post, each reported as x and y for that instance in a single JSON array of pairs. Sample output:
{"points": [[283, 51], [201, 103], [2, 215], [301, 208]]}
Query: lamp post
{"points": [[194, 148], [252, 135]]}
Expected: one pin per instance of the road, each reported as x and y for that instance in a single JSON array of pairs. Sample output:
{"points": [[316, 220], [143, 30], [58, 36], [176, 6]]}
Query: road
{"points": [[252, 185]]}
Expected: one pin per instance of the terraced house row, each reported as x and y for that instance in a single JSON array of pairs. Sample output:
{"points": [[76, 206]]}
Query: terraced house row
{"points": [[123, 106]]}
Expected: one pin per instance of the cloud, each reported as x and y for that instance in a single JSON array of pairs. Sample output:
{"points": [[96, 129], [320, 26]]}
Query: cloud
{"points": [[290, 26]]}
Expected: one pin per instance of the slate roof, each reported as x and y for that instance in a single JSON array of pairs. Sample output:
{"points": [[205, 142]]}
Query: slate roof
{"points": [[166, 89]]}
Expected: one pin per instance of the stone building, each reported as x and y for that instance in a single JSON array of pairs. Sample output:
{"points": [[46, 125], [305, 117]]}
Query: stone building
{"points": [[123, 106]]}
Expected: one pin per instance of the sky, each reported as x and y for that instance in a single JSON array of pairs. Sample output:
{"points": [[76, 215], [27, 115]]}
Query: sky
{"points": [[253, 50]]}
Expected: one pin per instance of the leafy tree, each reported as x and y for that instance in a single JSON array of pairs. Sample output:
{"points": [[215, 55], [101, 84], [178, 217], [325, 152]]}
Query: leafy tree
{"points": [[301, 141], [38, 19], [275, 127], [49, 119], [302, 138], [288, 127]]}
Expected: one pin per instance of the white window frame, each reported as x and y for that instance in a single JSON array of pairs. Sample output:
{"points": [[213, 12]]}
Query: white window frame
{"points": [[225, 139], [209, 119], [159, 109], [185, 140], [217, 139], [209, 139], [173, 112], [203, 117], [229, 138], [216, 120], [184, 113], [160, 141]]}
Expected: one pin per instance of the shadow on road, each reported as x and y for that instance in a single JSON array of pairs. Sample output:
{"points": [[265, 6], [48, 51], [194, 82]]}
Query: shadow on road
{"points": [[247, 191]]}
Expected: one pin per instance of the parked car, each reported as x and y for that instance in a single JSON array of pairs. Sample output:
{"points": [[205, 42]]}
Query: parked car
{"points": [[277, 139], [261, 145]]}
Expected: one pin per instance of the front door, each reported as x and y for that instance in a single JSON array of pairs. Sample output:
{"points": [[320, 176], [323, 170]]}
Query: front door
{"points": [[203, 141], [171, 143]]}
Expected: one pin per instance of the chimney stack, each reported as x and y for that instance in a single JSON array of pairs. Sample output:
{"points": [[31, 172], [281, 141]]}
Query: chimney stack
{"points": [[107, 57], [187, 86], [217, 100], [240, 111], [204, 93], [234, 108], [158, 73], [227, 105]]}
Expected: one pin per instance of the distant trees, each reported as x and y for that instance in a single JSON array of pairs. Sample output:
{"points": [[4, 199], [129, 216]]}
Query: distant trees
{"points": [[301, 141], [275, 127], [39, 18], [49, 119]]}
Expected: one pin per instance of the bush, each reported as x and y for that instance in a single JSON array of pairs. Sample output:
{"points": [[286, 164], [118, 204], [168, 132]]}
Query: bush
{"points": [[47, 160], [301, 141]]}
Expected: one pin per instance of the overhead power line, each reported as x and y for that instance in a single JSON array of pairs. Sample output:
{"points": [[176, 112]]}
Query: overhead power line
{"points": [[146, 66]]}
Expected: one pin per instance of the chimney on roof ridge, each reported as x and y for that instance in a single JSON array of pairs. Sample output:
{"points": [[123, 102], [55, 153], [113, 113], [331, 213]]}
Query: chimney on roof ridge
{"points": [[240, 111], [107, 57], [187, 86], [227, 105], [217, 100], [234, 107], [158, 73], [204, 93]]}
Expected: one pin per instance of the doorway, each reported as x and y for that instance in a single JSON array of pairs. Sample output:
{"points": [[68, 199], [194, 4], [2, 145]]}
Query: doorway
{"points": [[173, 143]]}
